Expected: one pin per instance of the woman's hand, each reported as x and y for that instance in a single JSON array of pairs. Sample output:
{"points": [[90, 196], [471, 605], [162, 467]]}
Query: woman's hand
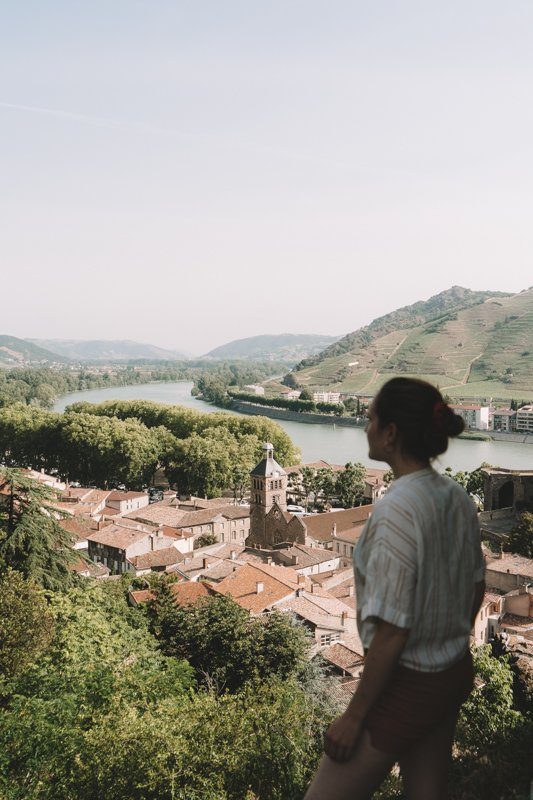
{"points": [[341, 737]]}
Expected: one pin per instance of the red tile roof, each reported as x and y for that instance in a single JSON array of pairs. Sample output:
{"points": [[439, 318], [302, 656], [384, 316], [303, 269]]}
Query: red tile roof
{"points": [[320, 526], [165, 557]]}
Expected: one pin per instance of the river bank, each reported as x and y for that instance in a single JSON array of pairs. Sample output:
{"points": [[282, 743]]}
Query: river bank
{"points": [[352, 422], [334, 443], [296, 416]]}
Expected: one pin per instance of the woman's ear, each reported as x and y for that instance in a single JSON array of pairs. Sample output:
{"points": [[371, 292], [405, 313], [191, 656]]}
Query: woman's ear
{"points": [[391, 436]]}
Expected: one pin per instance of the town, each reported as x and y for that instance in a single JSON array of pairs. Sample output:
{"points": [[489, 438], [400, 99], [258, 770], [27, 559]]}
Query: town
{"points": [[477, 416], [267, 553]]}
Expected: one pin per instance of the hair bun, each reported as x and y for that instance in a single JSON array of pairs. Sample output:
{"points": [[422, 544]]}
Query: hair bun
{"points": [[454, 423]]}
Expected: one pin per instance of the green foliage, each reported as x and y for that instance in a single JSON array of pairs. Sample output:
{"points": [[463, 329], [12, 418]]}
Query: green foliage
{"points": [[103, 715], [350, 485], [494, 740], [521, 537], [126, 442], [41, 386], [226, 646], [313, 487], [488, 711], [388, 477], [205, 540], [108, 450], [31, 539], [473, 482], [213, 385], [26, 625], [325, 484], [305, 404]]}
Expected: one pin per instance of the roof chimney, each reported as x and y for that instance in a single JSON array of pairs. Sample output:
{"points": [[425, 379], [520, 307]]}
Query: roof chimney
{"points": [[233, 555], [152, 537], [334, 530], [344, 617], [269, 560], [259, 586], [351, 589], [301, 580], [205, 563]]}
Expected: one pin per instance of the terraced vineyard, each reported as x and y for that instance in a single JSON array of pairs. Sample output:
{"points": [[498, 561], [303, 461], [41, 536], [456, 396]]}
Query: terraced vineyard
{"points": [[474, 345]]}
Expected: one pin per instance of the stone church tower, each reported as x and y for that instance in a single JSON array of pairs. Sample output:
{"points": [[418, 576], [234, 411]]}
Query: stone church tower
{"points": [[268, 484], [270, 524]]}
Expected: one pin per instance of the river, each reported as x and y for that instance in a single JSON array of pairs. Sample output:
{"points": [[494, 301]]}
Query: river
{"points": [[331, 443]]}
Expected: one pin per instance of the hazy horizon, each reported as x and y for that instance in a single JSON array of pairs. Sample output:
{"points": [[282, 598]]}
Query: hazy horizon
{"points": [[185, 175]]}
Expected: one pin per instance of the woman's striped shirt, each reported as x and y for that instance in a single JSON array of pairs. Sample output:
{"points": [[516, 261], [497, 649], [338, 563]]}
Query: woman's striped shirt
{"points": [[416, 564]]}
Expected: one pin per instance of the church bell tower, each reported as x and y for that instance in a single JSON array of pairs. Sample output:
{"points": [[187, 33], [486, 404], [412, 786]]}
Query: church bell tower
{"points": [[268, 485]]}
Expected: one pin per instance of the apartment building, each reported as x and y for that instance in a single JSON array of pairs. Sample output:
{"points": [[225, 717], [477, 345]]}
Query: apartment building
{"points": [[476, 417], [524, 419]]}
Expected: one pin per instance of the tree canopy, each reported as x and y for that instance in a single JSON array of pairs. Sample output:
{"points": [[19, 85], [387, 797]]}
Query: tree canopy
{"points": [[31, 539], [127, 442]]}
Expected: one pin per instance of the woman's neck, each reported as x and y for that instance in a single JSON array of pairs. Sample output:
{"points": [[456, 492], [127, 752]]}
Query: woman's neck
{"points": [[401, 465]]}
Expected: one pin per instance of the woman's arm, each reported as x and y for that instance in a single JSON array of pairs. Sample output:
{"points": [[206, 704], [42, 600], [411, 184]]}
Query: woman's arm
{"points": [[383, 654], [479, 593]]}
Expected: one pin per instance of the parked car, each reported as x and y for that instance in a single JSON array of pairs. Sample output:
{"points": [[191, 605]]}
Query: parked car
{"points": [[296, 510]]}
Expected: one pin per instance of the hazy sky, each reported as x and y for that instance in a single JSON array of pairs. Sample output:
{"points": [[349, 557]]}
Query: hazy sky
{"points": [[187, 173]]}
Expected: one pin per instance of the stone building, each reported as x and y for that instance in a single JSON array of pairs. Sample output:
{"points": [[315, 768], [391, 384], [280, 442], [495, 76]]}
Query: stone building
{"points": [[508, 488], [272, 526]]}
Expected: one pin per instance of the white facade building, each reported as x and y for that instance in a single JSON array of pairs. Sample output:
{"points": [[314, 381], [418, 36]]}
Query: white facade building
{"points": [[524, 419], [327, 397], [475, 417]]}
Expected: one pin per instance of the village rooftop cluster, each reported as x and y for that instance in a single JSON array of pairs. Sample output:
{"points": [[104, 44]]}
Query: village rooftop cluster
{"points": [[266, 557]]}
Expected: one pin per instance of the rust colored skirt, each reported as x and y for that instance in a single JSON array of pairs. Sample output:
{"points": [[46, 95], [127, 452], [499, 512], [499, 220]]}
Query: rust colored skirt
{"points": [[415, 703]]}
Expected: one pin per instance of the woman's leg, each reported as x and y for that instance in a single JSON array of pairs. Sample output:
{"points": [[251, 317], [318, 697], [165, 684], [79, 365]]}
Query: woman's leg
{"points": [[425, 767], [355, 779]]}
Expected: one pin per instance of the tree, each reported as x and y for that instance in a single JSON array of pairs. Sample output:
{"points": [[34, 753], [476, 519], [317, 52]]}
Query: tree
{"points": [[26, 625], [521, 536], [489, 709], [493, 740], [31, 539], [473, 482], [305, 394], [205, 540], [226, 646], [325, 484], [388, 477], [308, 484], [350, 485]]}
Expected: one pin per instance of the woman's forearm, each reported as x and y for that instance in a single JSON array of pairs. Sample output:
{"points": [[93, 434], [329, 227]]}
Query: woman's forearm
{"points": [[383, 654]]}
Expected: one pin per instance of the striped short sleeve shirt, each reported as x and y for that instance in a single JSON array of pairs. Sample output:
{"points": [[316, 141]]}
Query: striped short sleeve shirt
{"points": [[416, 564]]}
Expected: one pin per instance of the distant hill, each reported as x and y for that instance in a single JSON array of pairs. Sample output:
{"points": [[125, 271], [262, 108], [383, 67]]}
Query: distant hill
{"points": [[21, 353], [471, 344], [289, 347], [104, 350]]}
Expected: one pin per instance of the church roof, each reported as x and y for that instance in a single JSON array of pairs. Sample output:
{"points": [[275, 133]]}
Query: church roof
{"points": [[268, 468]]}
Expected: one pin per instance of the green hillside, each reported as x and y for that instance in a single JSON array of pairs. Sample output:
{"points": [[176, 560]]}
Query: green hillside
{"points": [[289, 347], [471, 344], [107, 350], [16, 352]]}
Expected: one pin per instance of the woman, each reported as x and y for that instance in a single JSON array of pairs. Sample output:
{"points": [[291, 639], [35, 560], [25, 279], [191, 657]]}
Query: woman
{"points": [[419, 583]]}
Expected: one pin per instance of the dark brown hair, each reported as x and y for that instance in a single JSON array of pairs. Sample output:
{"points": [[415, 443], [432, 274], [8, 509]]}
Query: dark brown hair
{"points": [[424, 421]]}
